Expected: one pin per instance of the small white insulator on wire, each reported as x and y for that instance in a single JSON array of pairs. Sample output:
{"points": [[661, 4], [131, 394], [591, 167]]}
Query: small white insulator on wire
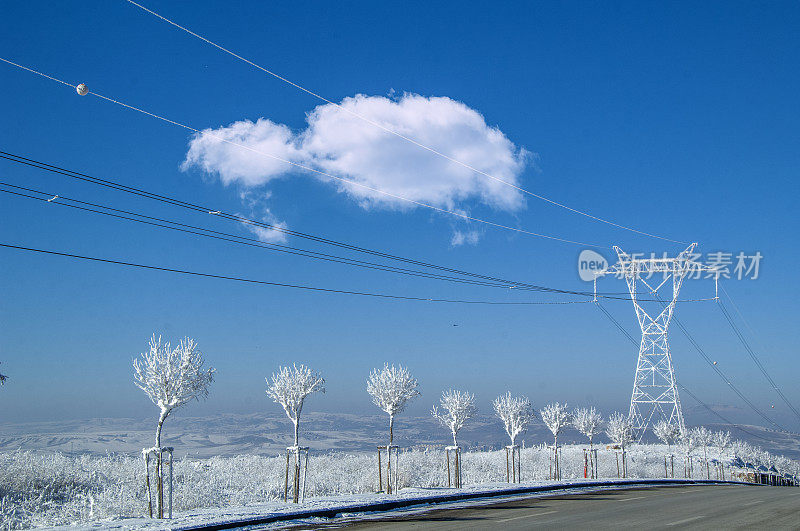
{"points": [[82, 89]]}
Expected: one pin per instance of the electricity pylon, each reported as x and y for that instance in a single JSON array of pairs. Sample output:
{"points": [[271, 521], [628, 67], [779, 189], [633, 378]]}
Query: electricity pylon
{"points": [[655, 391]]}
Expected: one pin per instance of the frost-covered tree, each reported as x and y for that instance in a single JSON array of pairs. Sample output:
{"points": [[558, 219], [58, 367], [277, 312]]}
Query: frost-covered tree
{"points": [[619, 429], [722, 441], [587, 421], [456, 408], [703, 437], [516, 413], [741, 449], [784, 465], [391, 388], [171, 377], [689, 442], [667, 433], [289, 387], [556, 417]]}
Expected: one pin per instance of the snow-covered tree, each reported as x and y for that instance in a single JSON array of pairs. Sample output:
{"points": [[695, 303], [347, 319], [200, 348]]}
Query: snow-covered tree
{"points": [[689, 442], [516, 413], [391, 388], [619, 429], [587, 421], [741, 449], [783, 464], [667, 433], [171, 377], [556, 417], [289, 387], [703, 437], [722, 440], [457, 407]]}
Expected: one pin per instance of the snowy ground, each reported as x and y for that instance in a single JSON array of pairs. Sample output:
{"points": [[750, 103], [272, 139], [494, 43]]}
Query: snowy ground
{"points": [[39, 490]]}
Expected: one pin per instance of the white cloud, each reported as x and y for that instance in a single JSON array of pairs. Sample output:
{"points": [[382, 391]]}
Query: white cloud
{"points": [[337, 142], [343, 144], [261, 212], [464, 237], [215, 151], [270, 235]]}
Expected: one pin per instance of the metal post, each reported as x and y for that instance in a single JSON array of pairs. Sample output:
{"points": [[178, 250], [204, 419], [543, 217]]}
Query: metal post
{"points": [[458, 468], [388, 469], [508, 472], [585, 464], [146, 456], [286, 481], [447, 453], [171, 476], [305, 475]]}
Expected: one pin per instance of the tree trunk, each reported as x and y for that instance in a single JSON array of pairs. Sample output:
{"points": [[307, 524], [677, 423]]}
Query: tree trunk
{"points": [[389, 456], [454, 439], [161, 418], [297, 431], [159, 466]]}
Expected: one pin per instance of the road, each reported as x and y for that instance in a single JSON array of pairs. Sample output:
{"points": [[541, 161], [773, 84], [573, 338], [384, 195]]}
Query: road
{"points": [[695, 507]]}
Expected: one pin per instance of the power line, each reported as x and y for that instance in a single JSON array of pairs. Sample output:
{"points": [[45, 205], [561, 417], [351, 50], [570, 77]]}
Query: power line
{"points": [[723, 376], [398, 134], [754, 356], [683, 387], [504, 283], [242, 240], [314, 170], [720, 415], [242, 220], [285, 285]]}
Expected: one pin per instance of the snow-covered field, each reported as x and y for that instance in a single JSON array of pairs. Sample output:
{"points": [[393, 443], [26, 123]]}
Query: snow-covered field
{"points": [[269, 434], [55, 489]]}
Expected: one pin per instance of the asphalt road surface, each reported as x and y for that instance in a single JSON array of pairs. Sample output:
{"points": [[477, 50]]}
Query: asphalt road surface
{"points": [[695, 507]]}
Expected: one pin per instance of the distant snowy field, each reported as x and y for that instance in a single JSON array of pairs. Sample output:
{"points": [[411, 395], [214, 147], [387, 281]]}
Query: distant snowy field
{"points": [[42, 490], [269, 434]]}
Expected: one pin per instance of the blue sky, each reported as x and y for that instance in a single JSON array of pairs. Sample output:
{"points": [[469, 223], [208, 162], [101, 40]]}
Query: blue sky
{"points": [[676, 119]]}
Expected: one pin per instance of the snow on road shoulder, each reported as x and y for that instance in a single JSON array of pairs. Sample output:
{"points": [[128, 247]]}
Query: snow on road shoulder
{"points": [[365, 506]]}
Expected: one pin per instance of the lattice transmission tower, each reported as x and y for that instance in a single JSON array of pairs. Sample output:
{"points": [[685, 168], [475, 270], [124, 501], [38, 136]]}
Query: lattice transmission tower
{"points": [[655, 391]]}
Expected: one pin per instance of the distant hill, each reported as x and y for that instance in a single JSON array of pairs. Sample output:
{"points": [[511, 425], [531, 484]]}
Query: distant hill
{"points": [[269, 434]]}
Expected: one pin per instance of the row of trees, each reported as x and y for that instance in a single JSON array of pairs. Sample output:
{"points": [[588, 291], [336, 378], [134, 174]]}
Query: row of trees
{"points": [[171, 377]]}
